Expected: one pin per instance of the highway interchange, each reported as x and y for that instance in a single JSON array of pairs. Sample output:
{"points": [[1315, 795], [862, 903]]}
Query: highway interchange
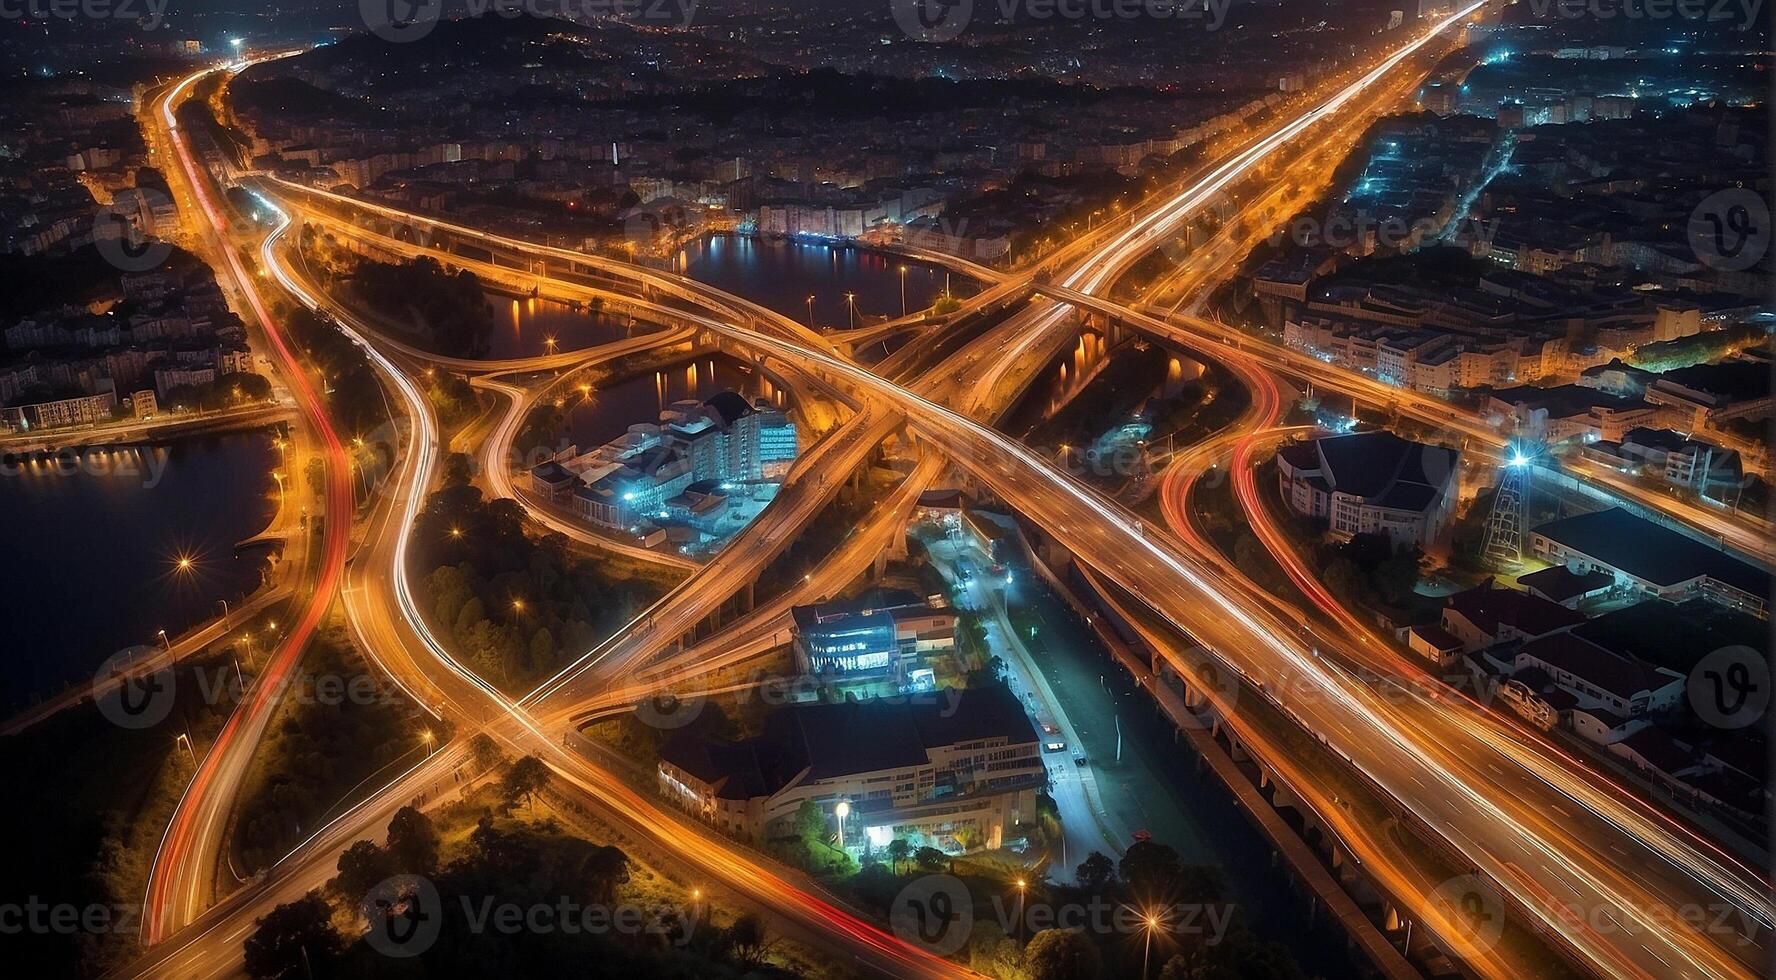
{"points": [[1486, 791]]}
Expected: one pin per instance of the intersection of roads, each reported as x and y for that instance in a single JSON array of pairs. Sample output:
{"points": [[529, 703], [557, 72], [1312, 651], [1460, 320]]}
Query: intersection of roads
{"points": [[1539, 826]]}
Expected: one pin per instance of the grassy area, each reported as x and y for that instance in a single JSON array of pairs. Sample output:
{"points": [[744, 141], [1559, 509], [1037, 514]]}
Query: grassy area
{"points": [[339, 726], [519, 607]]}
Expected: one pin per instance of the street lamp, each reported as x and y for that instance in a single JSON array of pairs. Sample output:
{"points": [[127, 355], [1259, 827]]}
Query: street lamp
{"points": [[811, 313], [903, 302], [426, 737], [1021, 884], [1151, 922], [842, 811], [851, 303], [163, 640]]}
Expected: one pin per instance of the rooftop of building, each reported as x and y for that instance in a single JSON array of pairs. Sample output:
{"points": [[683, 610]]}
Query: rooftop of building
{"points": [[1489, 605], [1564, 400], [1385, 469], [829, 740], [1651, 552], [1623, 677], [1558, 584]]}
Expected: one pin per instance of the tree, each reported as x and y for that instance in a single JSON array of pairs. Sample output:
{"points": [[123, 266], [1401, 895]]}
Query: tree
{"points": [[810, 822], [1095, 872], [1151, 869], [486, 751], [1061, 954], [898, 850], [294, 940], [602, 870], [524, 780], [930, 858], [361, 867], [1343, 579], [1177, 968], [745, 941], [542, 649], [412, 842], [459, 469], [1397, 575]]}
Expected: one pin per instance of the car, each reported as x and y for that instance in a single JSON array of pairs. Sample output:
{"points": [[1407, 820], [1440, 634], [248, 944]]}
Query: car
{"points": [[1049, 728], [1079, 760], [1054, 746]]}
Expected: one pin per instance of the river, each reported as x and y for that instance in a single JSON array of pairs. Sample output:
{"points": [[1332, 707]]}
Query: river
{"points": [[93, 550]]}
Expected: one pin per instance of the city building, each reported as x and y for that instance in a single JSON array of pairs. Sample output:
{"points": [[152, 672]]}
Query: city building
{"points": [[889, 638], [1650, 558], [1436, 644], [681, 468], [1372, 482], [1600, 678], [60, 412], [1489, 614], [951, 769], [1562, 585], [1569, 412]]}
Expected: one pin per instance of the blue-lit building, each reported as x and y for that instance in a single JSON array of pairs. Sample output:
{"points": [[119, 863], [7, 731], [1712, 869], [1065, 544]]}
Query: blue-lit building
{"points": [[880, 639], [647, 475]]}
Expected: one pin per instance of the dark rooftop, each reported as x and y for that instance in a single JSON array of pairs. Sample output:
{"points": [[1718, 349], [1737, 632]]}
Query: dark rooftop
{"points": [[1558, 584], [1652, 552], [1487, 605], [831, 739], [1620, 676]]}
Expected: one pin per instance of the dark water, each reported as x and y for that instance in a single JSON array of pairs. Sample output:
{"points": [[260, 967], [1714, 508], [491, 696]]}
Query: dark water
{"points": [[782, 275], [524, 326], [91, 555], [613, 409]]}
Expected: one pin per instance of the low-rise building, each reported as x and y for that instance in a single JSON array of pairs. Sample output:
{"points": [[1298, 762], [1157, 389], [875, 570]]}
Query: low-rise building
{"points": [[1372, 482], [948, 769], [1489, 614], [1562, 585], [886, 639], [1571, 412], [1598, 677], [61, 412], [1650, 558], [1435, 644]]}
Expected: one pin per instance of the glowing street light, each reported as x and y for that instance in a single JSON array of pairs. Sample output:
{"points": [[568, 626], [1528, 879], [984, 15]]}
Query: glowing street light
{"points": [[842, 810], [427, 737], [1151, 923], [1021, 885], [903, 302]]}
